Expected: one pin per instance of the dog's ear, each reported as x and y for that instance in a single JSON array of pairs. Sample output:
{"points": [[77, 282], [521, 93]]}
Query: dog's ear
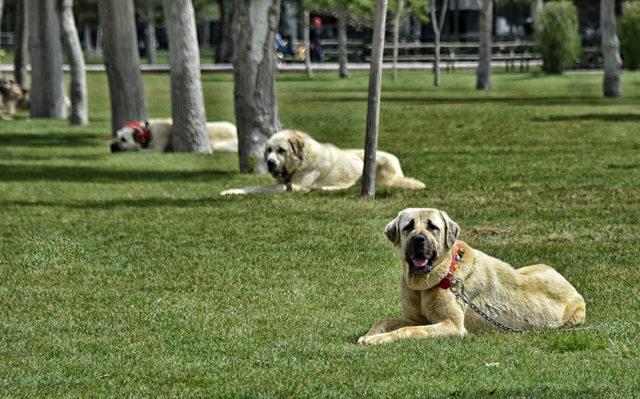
{"points": [[297, 144], [392, 232], [452, 230], [147, 124]]}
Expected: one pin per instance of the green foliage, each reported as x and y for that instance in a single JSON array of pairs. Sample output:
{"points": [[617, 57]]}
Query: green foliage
{"points": [[556, 35], [629, 26], [127, 275]]}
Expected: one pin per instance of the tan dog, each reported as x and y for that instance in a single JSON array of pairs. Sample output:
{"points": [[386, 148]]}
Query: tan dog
{"points": [[155, 136], [14, 97], [530, 298], [300, 163]]}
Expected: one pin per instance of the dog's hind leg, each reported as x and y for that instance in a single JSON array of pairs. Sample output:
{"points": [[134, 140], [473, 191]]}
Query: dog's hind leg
{"points": [[574, 312]]}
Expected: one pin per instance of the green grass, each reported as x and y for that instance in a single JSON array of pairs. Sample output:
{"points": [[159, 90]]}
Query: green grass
{"points": [[128, 275]]}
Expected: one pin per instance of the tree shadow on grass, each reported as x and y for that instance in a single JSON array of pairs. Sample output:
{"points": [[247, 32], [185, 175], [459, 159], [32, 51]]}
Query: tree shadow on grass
{"points": [[533, 392], [153, 202], [589, 117], [52, 140], [23, 173]]}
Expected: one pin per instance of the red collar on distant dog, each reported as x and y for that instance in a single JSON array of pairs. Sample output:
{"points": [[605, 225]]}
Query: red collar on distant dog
{"points": [[141, 133], [458, 252]]}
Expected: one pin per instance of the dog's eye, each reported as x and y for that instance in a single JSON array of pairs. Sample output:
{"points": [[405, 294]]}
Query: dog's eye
{"points": [[269, 150], [281, 150], [409, 226], [124, 140], [432, 227]]}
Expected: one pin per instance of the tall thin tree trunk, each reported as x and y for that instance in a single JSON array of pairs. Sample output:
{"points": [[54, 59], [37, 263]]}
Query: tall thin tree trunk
{"points": [[438, 24], [373, 110], [396, 37], [224, 46], [307, 44], [483, 81], [536, 5], [47, 83], [206, 33], [87, 39], [187, 103], [22, 37], [1, 12], [150, 33], [122, 62], [254, 72], [71, 40], [99, 34], [610, 49], [343, 53]]}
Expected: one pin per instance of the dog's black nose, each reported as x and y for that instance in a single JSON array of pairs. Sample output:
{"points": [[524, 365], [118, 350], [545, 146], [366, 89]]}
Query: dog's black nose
{"points": [[419, 239], [271, 164], [115, 147]]}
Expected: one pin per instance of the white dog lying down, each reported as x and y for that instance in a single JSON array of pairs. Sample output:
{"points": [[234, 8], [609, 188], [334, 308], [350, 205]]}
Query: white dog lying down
{"points": [[155, 135], [300, 163], [529, 298]]}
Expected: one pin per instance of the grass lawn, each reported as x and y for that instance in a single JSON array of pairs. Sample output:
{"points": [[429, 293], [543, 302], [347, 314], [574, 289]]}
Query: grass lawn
{"points": [[128, 275]]}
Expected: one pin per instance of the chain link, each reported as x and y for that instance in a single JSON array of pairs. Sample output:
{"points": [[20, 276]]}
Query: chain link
{"points": [[457, 288]]}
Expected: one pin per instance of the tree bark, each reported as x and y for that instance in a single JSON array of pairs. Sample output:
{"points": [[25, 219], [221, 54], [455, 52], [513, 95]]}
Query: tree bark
{"points": [[536, 5], [87, 39], [437, 24], [47, 80], [483, 81], [150, 34], [307, 44], [343, 54], [224, 46], [373, 109], [71, 40], [1, 11], [254, 72], [189, 132], [610, 49], [22, 37], [396, 37], [122, 62]]}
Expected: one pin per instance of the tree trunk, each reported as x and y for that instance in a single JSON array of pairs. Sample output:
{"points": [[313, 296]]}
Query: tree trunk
{"points": [[1, 12], [536, 5], [150, 34], [122, 62], [307, 44], [483, 81], [343, 54], [437, 24], [87, 39], [373, 110], [47, 80], [99, 39], [416, 26], [187, 104], [254, 72], [610, 49], [206, 33], [396, 38], [224, 46], [71, 40], [22, 37]]}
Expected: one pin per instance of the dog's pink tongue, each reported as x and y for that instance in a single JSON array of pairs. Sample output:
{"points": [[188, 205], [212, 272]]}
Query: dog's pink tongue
{"points": [[420, 262]]}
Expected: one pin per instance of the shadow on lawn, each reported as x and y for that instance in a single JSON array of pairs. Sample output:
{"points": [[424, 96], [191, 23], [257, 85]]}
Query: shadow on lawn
{"points": [[533, 392], [52, 140], [100, 175], [590, 117], [156, 202]]}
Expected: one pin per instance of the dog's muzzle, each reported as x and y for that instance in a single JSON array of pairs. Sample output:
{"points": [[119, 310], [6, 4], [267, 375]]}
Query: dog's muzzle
{"points": [[115, 147], [420, 255]]}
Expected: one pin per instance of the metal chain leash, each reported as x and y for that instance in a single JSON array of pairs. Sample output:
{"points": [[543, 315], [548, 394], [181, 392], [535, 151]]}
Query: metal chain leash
{"points": [[457, 288]]}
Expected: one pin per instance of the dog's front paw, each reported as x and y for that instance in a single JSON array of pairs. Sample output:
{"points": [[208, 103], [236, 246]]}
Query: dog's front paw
{"points": [[375, 339], [233, 191]]}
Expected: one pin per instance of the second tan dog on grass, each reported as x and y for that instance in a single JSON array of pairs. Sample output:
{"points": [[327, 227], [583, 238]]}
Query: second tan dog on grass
{"points": [[530, 298], [298, 162]]}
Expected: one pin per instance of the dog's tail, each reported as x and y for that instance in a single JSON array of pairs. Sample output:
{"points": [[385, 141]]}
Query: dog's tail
{"points": [[405, 182]]}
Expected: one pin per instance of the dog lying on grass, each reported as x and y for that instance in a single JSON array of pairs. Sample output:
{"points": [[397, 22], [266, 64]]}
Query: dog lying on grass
{"points": [[155, 136], [14, 98], [298, 162], [530, 298]]}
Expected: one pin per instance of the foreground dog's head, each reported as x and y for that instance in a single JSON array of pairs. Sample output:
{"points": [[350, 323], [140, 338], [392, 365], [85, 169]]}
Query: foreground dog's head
{"points": [[423, 238], [283, 154], [131, 137]]}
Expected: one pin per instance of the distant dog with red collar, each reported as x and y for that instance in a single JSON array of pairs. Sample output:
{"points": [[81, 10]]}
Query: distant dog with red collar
{"points": [[155, 136]]}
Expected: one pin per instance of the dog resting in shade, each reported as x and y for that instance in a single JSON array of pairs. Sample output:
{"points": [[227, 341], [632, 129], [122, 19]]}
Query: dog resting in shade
{"points": [[529, 298], [298, 162], [155, 136]]}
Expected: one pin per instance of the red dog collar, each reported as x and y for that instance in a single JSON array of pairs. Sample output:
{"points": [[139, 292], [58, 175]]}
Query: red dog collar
{"points": [[458, 252], [141, 133]]}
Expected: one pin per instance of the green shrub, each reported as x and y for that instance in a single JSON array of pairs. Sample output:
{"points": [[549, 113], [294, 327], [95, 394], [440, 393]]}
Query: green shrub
{"points": [[556, 35], [629, 26]]}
